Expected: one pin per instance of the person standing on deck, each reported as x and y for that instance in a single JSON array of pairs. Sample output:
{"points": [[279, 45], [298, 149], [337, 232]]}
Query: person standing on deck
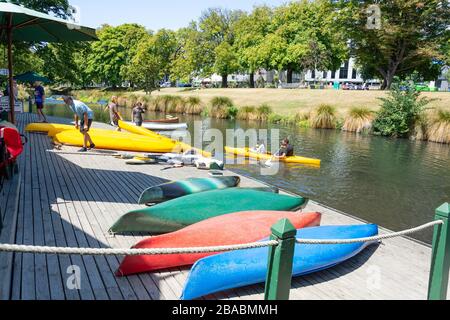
{"points": [[137, 114], [114, 115], [39, 98], [85, 115]]}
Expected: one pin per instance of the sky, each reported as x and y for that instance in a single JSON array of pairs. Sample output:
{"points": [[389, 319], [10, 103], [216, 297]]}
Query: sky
{"points": [[155, 14]]}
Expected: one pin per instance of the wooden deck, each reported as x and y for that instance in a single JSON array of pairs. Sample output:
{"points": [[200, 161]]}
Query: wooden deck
{"points": [[68, 199]]}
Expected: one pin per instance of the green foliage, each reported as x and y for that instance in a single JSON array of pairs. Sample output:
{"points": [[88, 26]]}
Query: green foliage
{"points": [[399, 112], [410, 36], [57, 7], [112, 56]]}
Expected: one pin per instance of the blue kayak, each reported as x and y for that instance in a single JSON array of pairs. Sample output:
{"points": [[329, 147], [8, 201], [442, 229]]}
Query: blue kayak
{"points": [[247, 267]]}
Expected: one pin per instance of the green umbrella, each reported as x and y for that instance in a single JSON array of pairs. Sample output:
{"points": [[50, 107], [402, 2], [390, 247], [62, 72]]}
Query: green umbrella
{"points": [[22, 24], [31, 77]]}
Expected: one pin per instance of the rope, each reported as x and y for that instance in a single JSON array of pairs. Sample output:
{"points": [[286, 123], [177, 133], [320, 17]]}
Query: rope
{"points": [[373, 239], [130, 252], [168, 251]]}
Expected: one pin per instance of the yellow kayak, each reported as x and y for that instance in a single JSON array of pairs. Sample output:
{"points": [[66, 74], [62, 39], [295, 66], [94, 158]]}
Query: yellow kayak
{"points": [[148, 133], [118, 141], [246, 152], [47, 127]]}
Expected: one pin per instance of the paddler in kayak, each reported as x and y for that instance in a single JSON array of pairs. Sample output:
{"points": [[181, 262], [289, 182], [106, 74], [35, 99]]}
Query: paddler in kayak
{"points": [[85, 115], [286, 150], [260, 148]]}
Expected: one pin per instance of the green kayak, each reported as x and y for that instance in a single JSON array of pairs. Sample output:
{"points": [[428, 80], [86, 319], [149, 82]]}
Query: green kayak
{"points": [[178, 189], [179, 213]]}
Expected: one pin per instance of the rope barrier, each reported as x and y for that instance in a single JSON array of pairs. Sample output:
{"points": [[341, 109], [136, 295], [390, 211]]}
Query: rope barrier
{"points": [[168, 251], [373, 239]]}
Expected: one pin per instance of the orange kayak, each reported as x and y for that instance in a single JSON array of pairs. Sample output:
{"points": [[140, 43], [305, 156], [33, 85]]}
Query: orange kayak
{"points": [[232, 229]]}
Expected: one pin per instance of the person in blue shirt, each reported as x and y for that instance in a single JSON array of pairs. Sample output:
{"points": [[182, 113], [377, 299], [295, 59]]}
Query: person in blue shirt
{"points": [[39, 98], [85, 116]]}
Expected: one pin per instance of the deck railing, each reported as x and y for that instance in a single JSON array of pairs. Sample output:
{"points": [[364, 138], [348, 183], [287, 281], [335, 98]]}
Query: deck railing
{"points": [[279, 277]]}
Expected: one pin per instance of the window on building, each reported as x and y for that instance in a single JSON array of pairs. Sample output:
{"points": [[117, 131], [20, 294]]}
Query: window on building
{"points": [[333, 75], [313, 74], [325, 74], [343, 73], [354, 74]]}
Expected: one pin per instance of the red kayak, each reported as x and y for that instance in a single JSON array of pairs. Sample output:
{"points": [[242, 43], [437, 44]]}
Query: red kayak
{"points": [[231, 229]]}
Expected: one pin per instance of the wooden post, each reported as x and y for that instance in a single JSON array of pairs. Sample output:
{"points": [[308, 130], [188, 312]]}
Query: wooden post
{"points": [[440, 263], [281, 258], [12, 100]]}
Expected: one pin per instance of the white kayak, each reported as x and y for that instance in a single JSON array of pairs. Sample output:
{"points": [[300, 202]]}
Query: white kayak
{"points": [[163, 126]]}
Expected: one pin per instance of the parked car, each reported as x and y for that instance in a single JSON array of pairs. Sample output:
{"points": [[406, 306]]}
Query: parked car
{"points": [[184, 85], [166, 85]]}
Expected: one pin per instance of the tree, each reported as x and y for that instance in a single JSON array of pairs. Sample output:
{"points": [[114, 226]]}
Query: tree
{"points": [[250, 33], [165, 47], [408, 36], [111, 56], [58, 7], [217, 36], [188, 55], [305, 29], [147, 67], [64, 62]]}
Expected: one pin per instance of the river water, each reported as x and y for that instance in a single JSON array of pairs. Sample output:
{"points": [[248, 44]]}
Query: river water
{"points": [[395, 183]]}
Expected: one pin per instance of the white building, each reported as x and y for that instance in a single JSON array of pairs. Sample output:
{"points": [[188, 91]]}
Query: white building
{"points": [[348, 73]]}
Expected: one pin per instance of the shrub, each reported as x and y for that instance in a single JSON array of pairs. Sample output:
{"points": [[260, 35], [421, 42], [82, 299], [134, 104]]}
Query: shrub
{"points": [[324, 117], [421, 128], [264, 111], [399, 112], [221, 107], [247, 113], [194, 105], [358, 120], [439, 130]]}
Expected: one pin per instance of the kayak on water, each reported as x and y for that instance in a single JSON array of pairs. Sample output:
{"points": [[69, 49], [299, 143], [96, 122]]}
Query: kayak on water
{"points": [[168, 120], [179, 213], [177, 189], [248, 267], [233, 229], [246, 152], [163, 126]]}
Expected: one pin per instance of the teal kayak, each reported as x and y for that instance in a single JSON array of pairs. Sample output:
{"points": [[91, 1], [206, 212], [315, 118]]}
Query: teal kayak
{"points": [[177, 214], [177, 189]]}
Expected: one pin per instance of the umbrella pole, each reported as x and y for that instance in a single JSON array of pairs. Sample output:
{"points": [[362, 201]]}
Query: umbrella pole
{"points": [[10, 67]]}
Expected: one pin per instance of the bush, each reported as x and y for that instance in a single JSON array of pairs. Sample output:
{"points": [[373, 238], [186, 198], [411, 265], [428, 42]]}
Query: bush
{"points": [[221, 107], [324, 117], [194, 105], [247, 113], [439, 130], [399, 112], [264, 111], [358, 120]]}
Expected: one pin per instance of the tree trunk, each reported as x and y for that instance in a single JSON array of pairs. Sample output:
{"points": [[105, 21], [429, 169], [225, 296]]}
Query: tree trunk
{"points": [[224, 81], [289, 75], [252, 79]]}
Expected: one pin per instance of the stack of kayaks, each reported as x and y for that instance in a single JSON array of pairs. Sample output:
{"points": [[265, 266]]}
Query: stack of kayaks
{"points": [[136, 139], [247, 267], [232, 229], [198, 213], [246, 152], [182, 212]]}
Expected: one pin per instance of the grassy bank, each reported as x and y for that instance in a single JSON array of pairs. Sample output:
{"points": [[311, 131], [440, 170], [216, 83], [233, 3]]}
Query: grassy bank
{"points": [[352, 111]]}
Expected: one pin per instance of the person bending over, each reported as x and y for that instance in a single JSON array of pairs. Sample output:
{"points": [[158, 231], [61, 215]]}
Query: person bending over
{"points": [[85, 116]]}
